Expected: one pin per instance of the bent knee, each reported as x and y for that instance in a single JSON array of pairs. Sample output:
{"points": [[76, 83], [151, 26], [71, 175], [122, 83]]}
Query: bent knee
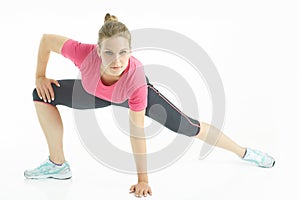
{"points": [[35, 96]]}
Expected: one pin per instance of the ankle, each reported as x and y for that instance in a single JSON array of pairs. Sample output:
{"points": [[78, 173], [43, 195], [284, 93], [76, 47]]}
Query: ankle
{"points": [[242, 152], [57, 161]]}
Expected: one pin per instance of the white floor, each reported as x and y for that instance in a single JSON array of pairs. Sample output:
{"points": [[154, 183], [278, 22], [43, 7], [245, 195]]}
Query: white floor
{"points": [[221, 175]]}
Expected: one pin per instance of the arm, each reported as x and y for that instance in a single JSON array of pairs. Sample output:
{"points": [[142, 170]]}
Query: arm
{"points": [[138, 143], [48, 43]]}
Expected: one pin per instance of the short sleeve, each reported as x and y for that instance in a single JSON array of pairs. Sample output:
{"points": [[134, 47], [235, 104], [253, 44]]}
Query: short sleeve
{"points": [[138, 99], [76, 51]]}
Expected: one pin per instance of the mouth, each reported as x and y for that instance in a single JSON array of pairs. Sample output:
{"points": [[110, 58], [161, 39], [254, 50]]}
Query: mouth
{"points": [[116, 67]]}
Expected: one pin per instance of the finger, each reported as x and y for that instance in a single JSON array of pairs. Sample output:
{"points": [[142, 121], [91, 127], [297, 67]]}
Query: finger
{"points": [[138, 192], [150, 191], [132, 188], [141, 193], [43, 95], [55, 82], [145, 193], [51, 92], [47, 95], [39, 93]]}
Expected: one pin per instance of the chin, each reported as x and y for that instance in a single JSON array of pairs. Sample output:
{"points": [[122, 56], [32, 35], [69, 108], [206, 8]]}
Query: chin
{"points": [[117, 73]]}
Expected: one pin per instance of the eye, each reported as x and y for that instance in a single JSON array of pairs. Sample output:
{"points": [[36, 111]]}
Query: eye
{"points": [[108, 52], [123, 52]]}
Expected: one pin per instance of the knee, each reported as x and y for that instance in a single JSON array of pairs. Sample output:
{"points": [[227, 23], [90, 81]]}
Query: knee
{"points": [[204, 127], [35, 95]]}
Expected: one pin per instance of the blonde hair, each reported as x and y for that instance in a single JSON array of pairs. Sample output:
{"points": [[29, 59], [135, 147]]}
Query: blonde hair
{"points": [[111, 28]]}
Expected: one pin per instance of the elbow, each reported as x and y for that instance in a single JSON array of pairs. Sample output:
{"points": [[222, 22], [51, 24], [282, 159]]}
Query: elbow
{"points": [[44, 37], [45, 42]]}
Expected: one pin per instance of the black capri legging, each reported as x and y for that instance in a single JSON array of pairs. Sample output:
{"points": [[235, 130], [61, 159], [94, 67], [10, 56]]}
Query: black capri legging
{"points": [[173, 119]]}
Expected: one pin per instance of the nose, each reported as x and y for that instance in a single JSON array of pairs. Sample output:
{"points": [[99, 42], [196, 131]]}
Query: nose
{"points": [[117, 60]]}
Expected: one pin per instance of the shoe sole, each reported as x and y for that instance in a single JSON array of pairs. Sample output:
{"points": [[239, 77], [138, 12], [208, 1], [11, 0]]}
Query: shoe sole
{"points": [[268, 166], [53, 176]]}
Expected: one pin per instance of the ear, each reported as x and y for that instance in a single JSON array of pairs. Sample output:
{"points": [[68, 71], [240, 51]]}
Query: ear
{"points": [[98, 50]]}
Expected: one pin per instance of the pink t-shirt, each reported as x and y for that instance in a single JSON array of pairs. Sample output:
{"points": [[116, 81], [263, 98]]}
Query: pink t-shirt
{"points": [[132, 85]]}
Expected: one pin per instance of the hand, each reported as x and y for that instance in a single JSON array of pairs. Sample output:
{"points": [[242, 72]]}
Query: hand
{"points": [[44, 88], [142, 188]]}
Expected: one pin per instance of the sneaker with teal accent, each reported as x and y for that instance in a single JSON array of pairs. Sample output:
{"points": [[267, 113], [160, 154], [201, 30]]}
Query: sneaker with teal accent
{"points": [[49, 170], [259, 158]]}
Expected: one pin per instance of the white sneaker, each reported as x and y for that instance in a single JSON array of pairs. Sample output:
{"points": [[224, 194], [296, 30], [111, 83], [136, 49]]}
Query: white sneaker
{"points": [[49, 170], [259, 158]]}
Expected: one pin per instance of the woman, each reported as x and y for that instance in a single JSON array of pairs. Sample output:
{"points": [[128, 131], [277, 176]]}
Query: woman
{"points": [[110, 75]]}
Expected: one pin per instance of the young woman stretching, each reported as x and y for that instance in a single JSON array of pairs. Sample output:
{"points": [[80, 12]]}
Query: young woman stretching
{"points": [[111, 75]]}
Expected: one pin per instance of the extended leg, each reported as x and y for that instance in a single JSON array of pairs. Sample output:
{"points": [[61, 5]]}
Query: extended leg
{"points": [[163, 111], [171, 117], [214, 136], [219, 139]]}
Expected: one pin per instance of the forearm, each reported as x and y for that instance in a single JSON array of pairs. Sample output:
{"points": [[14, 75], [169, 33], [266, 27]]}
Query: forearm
{"points": [[42, 59], [140, 155], [138, 143]]}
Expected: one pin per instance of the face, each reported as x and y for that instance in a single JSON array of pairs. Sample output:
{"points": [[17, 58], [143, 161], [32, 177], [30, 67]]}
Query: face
{"points": [[115, 53]]}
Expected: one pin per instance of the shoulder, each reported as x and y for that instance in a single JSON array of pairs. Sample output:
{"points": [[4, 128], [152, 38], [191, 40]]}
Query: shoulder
{"points": [[135, 71], [77, 45], [135, 62], [135, 68], [77, 51]]}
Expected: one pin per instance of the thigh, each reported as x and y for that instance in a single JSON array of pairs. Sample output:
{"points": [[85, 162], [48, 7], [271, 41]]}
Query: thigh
{"points": [[72, 94], [163, 111]]}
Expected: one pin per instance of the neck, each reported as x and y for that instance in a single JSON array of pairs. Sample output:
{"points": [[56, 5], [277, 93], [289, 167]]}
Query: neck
{"points": [[106, 78]]}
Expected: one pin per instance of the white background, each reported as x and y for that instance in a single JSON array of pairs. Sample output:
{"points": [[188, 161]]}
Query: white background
{"points": [[255, 47]]}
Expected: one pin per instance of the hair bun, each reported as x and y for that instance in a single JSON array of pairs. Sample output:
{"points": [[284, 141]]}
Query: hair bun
{"points": [[109, 17]]}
